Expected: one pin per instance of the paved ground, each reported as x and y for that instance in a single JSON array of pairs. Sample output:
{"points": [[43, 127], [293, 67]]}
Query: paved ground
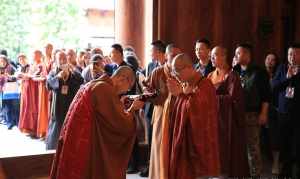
{"points": [[14, 143]]}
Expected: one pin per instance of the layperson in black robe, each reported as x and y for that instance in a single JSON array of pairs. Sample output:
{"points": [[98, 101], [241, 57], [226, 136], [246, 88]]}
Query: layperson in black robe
{"points": [[64, 84]]}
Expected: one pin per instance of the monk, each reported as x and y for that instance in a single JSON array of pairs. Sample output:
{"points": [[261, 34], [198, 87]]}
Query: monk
{"points": [[157, 82], [43, 93], [29, 112], [98, 134], [48, 58], [193, 132], [231, 116]]}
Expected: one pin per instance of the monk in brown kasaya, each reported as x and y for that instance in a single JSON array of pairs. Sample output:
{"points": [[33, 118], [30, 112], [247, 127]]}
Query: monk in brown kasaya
{"points": [[98, 134], [193, 129]]}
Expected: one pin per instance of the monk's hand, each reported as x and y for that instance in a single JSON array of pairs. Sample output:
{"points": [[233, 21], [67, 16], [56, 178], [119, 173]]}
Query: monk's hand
{"points": [[174, 87], [137, 104], [262, 118], [188, 89]]}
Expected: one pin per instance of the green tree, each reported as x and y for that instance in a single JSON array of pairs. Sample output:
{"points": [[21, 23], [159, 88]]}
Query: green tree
{"points": [[14, 19], [56, 21], [59, 20]]}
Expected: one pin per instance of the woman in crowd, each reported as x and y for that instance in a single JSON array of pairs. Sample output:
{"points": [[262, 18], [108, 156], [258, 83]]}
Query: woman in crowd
{"points": [[271, 63], [8, 106]]}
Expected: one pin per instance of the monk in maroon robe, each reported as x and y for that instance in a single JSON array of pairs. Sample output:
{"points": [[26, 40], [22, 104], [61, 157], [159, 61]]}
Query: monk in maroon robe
{"points": [[30, 104], [193, 128], [98, 134], [233, 150]]}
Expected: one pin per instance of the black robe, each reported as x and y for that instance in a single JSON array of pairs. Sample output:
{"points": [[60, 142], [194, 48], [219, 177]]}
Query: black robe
{"points": [[60, 103]]}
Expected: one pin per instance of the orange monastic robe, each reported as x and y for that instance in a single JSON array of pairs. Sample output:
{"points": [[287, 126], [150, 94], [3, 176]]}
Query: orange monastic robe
{"points": [[43, 117], [157, 82], [193, 144], [34, 108]]}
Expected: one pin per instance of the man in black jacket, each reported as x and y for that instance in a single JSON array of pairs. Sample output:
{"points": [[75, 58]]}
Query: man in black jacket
{"points": [[257, 93], [286, 85]]}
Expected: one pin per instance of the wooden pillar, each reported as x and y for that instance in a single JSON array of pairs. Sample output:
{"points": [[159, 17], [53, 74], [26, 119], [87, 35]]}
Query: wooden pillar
{"points": [[130, 25]]}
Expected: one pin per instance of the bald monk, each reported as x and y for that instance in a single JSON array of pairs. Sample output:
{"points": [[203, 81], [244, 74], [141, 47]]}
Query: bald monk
{"points": [[98, 134], [193, 131], [231, 111], [157, 82]]}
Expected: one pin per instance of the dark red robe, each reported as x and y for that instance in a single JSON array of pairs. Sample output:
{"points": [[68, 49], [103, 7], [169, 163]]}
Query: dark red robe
{"points": [[233, 149], [97, 138], [194, 144]]}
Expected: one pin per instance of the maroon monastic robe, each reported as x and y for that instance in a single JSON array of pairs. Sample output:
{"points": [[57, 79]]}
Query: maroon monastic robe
{"points": [[29, 108], [193, 132], [97, 138], [233, 152]]}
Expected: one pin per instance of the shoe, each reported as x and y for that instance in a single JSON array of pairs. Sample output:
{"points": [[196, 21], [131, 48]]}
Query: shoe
{"points": [[10, 126], [32, 136], [145, 172], [132, 170]]}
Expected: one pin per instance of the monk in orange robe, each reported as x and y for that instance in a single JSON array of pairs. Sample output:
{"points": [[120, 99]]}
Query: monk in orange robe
{"points": [[44, 93], [98, 134], [43, 117], [193, 129]]}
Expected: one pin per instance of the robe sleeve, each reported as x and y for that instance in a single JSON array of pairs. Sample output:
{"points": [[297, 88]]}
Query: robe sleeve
{"points": [[77, 79], [52, 81], [75, 83], [157, 83], [280, 82], [203, 131], [110, 110], [234, 98]]}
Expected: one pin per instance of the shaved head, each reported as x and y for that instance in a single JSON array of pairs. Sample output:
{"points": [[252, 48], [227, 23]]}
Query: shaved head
{"points": [[126, 73], [219, 57], [171, 52], [182, 67], [220, 50], [181, 61]]}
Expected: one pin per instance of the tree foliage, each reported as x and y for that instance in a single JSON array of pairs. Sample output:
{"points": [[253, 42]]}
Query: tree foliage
{"points": [[27, 24]]}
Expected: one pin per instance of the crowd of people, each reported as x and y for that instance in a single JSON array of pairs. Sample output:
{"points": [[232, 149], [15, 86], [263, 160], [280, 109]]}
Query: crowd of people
{"points": [[205, 117]]}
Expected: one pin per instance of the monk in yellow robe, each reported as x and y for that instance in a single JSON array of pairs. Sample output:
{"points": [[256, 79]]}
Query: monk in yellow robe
{"points": [[158, 83], [98, 134]]}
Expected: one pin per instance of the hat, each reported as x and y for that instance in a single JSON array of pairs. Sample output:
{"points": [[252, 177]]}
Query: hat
{"points": [[3, 52], [96, 58]]}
